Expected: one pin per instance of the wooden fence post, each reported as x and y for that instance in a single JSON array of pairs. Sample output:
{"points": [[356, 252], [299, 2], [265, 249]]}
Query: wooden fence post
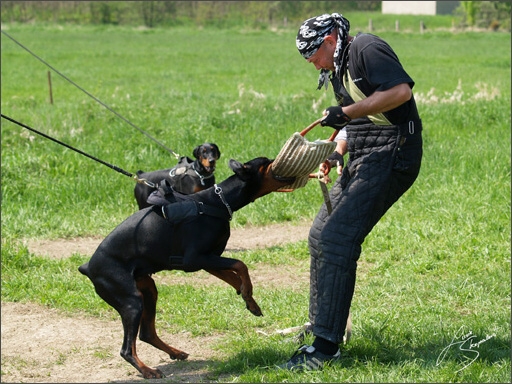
{"points": [[50, 87]]}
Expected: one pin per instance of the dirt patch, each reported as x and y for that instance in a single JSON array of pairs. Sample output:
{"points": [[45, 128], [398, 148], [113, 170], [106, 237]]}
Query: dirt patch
{"points": [[249, 237], [41, 345]]}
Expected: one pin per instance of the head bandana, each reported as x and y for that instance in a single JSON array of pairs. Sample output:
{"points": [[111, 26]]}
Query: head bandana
{"points": [[311, 36]]}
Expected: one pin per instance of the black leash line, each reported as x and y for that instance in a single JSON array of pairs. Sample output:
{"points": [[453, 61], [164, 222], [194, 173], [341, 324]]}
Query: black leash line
{"points": [[115, 168], [90, 95]]}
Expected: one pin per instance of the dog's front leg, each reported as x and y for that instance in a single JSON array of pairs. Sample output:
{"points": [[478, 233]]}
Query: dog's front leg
{"points": [[229, 277], [232, 271], [246, 288], [233, 278]]}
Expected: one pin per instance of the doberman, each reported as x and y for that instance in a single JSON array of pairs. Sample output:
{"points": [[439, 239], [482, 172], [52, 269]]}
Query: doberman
{"points": [[154, 239], [188, 176]]}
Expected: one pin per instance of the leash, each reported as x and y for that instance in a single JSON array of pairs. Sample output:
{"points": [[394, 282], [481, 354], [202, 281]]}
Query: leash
{"points": [[90, 95], [323, 180], [325, 192], [115, 168]]}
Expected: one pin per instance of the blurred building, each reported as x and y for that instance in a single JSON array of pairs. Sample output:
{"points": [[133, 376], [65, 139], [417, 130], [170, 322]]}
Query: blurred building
{"points": [[419, 7]]}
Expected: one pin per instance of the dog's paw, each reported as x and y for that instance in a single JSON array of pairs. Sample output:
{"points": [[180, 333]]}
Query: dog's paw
{"points": [[254, 309], [179, 356], [150, 373]]}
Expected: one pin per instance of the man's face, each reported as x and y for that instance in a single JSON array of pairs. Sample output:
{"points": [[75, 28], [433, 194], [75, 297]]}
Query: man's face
{"points": [[323, 57]]}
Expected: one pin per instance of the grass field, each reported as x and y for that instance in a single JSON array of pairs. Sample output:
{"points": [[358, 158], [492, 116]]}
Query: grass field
{"points": [[437, 265]]}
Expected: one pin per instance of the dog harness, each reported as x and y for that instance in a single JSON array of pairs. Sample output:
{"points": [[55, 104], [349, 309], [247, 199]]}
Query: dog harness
{"points": [[176, 211], [184, 168]]}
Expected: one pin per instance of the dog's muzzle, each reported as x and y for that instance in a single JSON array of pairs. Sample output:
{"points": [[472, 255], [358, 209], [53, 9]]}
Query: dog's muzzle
{"points": [[211, 167], [281, 179]]}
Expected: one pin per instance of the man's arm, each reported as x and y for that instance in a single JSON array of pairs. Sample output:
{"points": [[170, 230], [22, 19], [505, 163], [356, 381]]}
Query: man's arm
{"points": [[380, 102]]}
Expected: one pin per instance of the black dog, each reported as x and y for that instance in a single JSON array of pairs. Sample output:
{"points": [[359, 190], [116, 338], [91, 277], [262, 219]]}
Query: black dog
{"points": [[166, 237], [188, 176]]}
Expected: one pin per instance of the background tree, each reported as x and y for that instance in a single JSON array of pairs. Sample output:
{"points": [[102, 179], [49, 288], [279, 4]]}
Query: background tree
{"points": [[469, 8]]}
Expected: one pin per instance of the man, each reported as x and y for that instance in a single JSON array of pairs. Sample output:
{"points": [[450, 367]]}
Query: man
{"points": [[378, 111]]}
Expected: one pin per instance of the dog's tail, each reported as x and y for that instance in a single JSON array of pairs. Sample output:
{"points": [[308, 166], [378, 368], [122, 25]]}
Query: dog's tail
{"points": [[84, 269]]}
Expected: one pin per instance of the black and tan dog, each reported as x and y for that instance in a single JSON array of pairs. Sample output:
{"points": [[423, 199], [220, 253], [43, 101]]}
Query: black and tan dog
{"points": [[166, 237], [188, 176]]}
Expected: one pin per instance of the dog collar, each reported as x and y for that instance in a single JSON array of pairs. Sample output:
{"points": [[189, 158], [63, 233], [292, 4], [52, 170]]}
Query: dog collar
{"points": [[201, 177], [218, 191]]}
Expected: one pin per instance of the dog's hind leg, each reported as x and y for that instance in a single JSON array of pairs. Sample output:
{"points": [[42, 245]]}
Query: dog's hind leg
{"points": [[128, 350], [119, 290], [146, 286]]}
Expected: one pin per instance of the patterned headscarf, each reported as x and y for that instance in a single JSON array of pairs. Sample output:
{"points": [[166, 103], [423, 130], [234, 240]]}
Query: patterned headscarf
{"points": [[311, 36]]}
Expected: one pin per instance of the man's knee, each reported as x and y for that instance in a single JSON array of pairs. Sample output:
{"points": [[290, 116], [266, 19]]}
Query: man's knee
{"points": [[316, 229]]}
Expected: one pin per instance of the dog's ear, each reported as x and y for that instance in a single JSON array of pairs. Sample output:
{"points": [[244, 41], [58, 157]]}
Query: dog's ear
{"points": [[249, 169], [216, 148], [196, 152], [243, 171], [236, 166]]}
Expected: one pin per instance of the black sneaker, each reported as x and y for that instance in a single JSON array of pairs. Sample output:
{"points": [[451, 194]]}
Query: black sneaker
{"points": [[307, 358]]}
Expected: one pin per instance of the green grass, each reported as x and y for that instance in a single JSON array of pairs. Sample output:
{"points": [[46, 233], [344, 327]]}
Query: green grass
{"points": [[235, 89], [438, 262], [401, 326]]}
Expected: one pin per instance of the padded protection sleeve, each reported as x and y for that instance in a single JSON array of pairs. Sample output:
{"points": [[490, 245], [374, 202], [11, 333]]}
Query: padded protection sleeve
{"points": [[299, 157]]}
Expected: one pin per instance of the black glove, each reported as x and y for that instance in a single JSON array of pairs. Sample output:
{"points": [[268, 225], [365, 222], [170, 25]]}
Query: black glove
{"points": [[335, 118], [336, 159]]}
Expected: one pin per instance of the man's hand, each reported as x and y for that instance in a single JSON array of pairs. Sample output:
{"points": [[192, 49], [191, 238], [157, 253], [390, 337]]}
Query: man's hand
{"points": [[325, 168], [335, 118], [336, 160]]}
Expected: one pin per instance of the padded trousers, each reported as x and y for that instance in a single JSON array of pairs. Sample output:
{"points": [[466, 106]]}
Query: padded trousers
{"points": [[383, 164]]}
